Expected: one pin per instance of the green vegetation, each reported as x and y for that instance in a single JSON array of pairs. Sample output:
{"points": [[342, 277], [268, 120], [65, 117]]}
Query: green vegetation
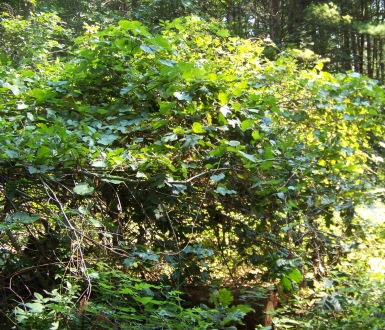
{"points": [[137, 161]]}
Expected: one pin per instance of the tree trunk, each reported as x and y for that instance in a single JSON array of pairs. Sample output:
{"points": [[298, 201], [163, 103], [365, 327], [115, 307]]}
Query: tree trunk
{"points": [[295, 19], [376, 67], [369, 55], [275, 20], [381, 60], [347, 60], [355, 52], [361, 39], [29, 8]]}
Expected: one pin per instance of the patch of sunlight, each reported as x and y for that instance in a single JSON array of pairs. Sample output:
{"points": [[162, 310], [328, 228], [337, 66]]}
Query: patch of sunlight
{"points": [[377, 265], [374, 212]]}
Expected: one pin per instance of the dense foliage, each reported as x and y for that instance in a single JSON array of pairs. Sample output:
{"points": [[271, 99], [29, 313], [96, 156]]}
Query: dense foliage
{"points": [[346, 34], [184, 156]]}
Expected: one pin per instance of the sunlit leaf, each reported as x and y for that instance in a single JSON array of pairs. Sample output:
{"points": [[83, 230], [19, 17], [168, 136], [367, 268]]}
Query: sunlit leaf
{"points": [[198, 128], [183, 96], [191, 140], [149, 48], [100, 163], [286, 284], [223, 33], [295, 275], [247, 124], [83, 189], [281, 195], [247, 156], [224, 191], [217, 178], [22, 217], [107, 139], [35, 307]]}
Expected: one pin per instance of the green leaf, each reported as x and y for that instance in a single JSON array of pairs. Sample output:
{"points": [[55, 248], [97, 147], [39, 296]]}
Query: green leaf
{"points": [[130, 262], [256, 135], [95, 223], [38, 296], [144, 300], [160, 123], [224, 191], [347, 117], [354, 75], [247, 124], [21, 106], [140, 175], [217, 178], [247, 156], [130, 310], [107, 139], [183, 96], [222, 296], [266, 165], [295, 275], [41, 94], [83, 189], [113, 181], [223, 33], [286, 284], [35, 307], [100, 163], [169, 63], [43, 153], [165, 107], [30, 116], [130, 24], [23, 217], [198, 128], [223, 98], [233, 143], [39, 169], [14, 89], [281, 195], [149, 49], [161, 42], [191, 140]]}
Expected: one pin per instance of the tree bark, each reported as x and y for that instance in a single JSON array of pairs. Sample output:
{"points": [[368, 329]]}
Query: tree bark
{"points": [[295, 19], [275, 20]]}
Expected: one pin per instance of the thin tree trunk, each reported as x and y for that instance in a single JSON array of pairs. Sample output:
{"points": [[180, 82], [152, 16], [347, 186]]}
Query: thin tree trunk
{"points": [[376, 67], [347, 61], [381, 60], [346, 37], [369, 55], [369, 50], [354, 51], [361, 39]]}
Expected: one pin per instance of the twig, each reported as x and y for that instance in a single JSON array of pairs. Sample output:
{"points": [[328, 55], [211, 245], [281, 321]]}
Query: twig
{"points": [[82, 266]]}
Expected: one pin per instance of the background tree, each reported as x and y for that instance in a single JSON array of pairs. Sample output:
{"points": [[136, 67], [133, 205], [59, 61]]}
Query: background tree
{"points": [[347, 33]]}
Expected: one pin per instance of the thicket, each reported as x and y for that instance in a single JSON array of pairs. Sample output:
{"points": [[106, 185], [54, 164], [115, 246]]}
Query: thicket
{"points": [[135, 164]]}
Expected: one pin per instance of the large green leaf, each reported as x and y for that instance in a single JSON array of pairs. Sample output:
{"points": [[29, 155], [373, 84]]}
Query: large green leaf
{"points": [[83, 189], [22, 217]]}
